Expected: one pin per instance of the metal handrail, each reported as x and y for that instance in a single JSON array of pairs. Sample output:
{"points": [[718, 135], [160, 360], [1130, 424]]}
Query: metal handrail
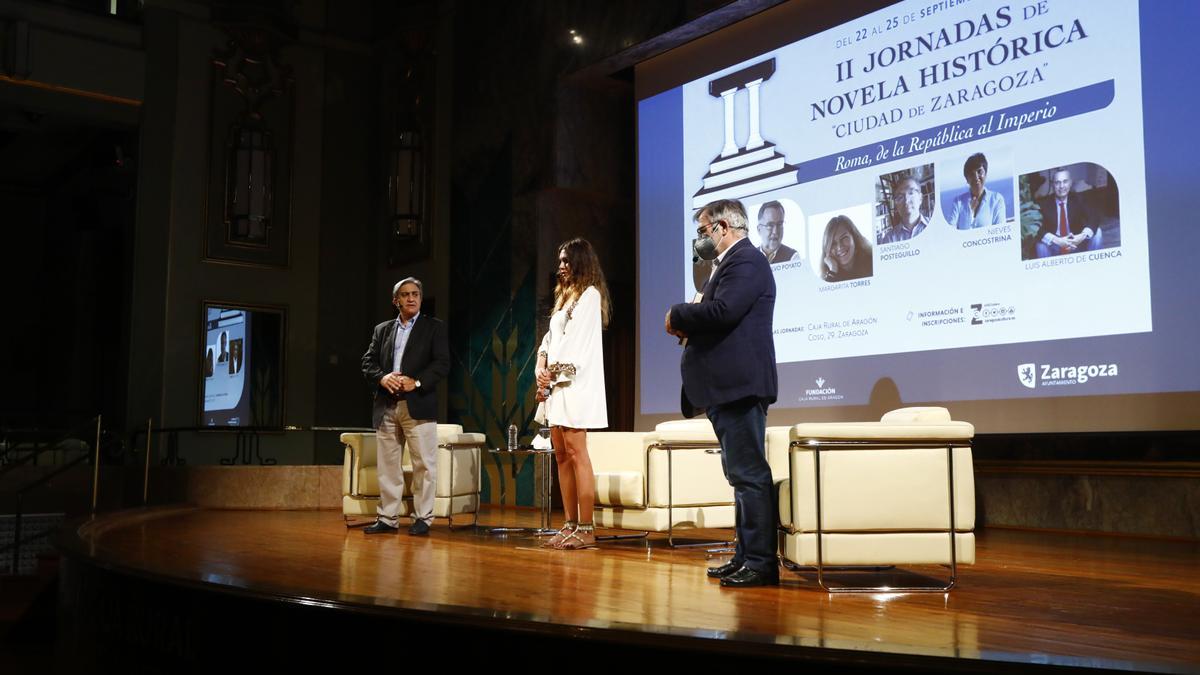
{"points": [[93, 452], [244, 450], [40, 447]]}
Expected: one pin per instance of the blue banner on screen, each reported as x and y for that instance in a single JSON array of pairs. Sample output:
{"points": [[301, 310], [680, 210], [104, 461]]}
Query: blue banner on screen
{"points": [[973, 200]]}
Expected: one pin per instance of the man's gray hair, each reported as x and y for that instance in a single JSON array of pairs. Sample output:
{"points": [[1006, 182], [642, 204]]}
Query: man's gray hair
{"points": [[773, 204], [729, 210], [408, 280]]}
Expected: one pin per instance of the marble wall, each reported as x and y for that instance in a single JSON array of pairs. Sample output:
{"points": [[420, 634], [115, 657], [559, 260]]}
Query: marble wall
{"points": [[250, 487], [1154, 505]]}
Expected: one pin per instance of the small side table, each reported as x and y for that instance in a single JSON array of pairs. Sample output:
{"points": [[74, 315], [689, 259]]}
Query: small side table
{"points": [[543, 488]]}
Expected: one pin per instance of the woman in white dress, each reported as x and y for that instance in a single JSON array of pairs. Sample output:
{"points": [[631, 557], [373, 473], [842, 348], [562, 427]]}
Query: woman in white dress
{"points": [[570, 382]]}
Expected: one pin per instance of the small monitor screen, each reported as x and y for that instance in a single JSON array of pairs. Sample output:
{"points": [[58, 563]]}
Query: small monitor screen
{"points": [[241, 363]]}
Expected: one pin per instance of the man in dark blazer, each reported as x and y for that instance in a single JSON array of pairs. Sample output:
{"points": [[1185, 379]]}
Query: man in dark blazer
{"points": [[729, 371], [770, 231], [408, 357], [1068, 225]]}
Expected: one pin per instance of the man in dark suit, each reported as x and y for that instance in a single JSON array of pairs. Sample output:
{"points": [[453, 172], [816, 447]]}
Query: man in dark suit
{"points": [[770, 230], [407, 359], [729, 370], [1068, 226]]}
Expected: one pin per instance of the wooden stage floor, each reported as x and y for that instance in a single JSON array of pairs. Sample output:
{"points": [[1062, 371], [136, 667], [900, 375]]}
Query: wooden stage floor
{"points": [[1087, 602]]}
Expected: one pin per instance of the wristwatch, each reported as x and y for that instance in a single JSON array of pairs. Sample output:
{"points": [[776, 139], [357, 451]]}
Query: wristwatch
{"points": [[416, 384]]}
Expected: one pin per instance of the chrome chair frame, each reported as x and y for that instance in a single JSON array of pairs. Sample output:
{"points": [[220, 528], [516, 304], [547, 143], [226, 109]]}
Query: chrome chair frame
{"points": [[708, 448], [452, 448], [817, 446]]}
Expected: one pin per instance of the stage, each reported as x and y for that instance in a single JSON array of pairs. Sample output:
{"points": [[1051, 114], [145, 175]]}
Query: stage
{"points": [[184, 586]]}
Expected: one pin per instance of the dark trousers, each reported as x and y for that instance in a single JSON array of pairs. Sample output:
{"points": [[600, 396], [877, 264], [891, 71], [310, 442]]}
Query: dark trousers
{"points": [[741, 428]]}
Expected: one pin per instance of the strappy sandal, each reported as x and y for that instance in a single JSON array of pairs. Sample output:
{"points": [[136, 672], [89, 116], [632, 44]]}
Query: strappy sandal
{"points": [[564, 532], [575, 542]]}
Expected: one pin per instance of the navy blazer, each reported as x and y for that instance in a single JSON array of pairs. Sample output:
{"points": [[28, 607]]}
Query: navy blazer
{"points": [[730, 353], [426, 358]]}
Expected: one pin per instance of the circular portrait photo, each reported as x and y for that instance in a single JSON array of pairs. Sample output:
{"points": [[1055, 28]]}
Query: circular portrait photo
{"points": [[983, 198], [839, 246], [903, 204], [776, 226], [1067, 209]]}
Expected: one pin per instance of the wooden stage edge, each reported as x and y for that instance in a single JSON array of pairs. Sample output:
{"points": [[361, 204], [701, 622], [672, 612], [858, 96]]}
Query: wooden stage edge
{"points": [[175, 587]]}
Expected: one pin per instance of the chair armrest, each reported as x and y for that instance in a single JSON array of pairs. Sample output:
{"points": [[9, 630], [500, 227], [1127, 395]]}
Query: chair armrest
{"points": [[779, 439], [360, 451], [617, 451], [349, 483], [916, 415], [466, 439], [879, 431]]}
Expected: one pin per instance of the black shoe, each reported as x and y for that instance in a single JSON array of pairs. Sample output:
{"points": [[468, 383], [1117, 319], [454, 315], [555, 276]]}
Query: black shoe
{"points": [[419, 528], [380, 527], [746, 578], [722, 571]]}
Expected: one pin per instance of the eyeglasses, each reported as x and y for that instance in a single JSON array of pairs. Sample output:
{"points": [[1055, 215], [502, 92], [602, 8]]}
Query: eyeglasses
{"points": [[704, 230]]}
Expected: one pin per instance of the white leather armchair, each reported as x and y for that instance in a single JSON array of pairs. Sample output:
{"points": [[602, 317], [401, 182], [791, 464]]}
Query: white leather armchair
{"points": [[659, 480], [668, 478], [458, 471], [899, 491]]}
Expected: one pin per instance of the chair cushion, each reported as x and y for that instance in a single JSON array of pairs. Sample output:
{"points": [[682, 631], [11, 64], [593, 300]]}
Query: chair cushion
{"points": [[697, 430], [655, 520], [778, 440], [446, 506], [783, 499], [942, 431], [360, 506], [890, 548], [620, 488], [916, 415], [698, 479], [368, 481]]}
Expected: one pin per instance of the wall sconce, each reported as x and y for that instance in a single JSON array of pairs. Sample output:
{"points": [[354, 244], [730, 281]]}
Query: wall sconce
{"points": [[406, 188], [249, 181], [249, 67]]}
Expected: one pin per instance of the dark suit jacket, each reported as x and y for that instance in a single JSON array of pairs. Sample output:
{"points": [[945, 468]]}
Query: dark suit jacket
{"points": [[1079, 215], [730, 354], [783, 254], [426, 358]]}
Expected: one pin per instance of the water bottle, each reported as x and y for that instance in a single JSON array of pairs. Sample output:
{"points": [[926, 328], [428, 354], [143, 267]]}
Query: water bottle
{"points": [[512, 437]]}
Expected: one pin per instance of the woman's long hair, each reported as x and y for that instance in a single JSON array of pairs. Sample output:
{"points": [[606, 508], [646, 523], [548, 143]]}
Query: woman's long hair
{"points": [[585, 271], [862, 247]]}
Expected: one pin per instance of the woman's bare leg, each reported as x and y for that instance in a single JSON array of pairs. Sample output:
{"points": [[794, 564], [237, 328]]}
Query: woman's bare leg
{"points": [[566, 473], [583, 486]]}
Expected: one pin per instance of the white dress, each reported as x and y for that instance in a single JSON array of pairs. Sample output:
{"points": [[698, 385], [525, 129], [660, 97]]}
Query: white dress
{"points": [[579, 403]]}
